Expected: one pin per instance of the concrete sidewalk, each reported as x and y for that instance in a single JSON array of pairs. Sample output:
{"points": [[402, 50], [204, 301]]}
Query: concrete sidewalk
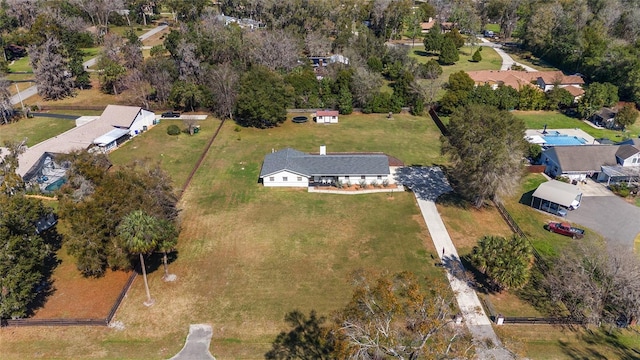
{"points": [[197, 345]]}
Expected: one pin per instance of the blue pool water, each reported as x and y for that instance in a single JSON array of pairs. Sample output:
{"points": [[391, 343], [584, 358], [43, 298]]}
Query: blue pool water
{"points": [[56, 185], [563, 140]]}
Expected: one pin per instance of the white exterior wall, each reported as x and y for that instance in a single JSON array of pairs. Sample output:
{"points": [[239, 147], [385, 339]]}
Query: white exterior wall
{"points": [[355, 179], [144, 118], [632, 161], [327, 119], [291, 180]]}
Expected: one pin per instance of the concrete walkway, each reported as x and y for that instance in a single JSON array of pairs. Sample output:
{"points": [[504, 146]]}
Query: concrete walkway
{"points": [[33, 90], [507, 60], [428, 184], [196, 346]]}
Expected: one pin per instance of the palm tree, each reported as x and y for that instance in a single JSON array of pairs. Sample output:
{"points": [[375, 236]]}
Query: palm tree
{"points": [[167, 242], [140, 233], [506, 262]]}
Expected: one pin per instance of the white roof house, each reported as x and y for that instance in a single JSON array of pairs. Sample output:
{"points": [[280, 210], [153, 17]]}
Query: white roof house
{"points": [[115, 124]]}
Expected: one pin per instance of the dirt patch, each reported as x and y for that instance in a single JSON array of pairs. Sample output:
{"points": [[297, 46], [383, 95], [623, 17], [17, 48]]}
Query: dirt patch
{"points": [[75, 296]]}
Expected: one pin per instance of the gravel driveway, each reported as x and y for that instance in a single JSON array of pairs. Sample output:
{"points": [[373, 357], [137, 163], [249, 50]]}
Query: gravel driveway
{"points": [[612, 217]]}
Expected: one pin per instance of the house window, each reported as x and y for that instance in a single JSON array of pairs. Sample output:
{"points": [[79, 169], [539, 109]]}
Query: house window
{"points": [[271, 178], [635, 160], [363, 177], [346, 177], [299, 178], [379, 177], [284, 178]]}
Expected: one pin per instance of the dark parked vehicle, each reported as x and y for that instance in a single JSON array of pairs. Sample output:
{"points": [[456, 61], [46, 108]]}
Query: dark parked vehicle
{"points": [[566, 229], [170, 114]]}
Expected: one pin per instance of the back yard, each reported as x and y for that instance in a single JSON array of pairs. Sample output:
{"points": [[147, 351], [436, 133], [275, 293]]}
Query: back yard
{"points": [[248, 255]]}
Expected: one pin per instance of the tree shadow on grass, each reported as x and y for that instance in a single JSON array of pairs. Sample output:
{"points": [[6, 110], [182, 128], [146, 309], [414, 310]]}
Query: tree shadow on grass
{"points": [[525, 199], [424, 53], [46, 288], [589, 339], [155, 263]]}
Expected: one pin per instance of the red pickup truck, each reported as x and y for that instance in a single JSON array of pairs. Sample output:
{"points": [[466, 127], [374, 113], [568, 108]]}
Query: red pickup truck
{"points": [[566, 229]]}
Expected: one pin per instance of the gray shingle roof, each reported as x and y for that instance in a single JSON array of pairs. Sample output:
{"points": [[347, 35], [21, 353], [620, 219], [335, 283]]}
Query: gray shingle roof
{"points": [[626, 151], [584, 157], [324, 165]]}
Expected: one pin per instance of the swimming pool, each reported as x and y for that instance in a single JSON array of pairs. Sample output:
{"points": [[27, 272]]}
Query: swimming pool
{"points": [[559, 139]]}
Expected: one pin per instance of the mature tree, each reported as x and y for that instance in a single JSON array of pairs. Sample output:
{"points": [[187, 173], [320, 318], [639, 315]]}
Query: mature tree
{"points": [[486, 147], [94, 201], [305, 87], [188, 62], [139, 88], [10, 181], [51, 69], [393, 317], [459, 87], [187, 95], [161, 73], [506, 262], [433, 39], [448, 53], [6, 107], [626, 116], [308, 338], [24, 11], [186, 10], [507, 97], [414, 26], [140, 233], [531, 98], [317, 44], [429, 70], [456, 37], [22, 254], [99, 11], [597, 284], [262, 99], [167, 242], [595, 97], [558, 98], [276, 50], [222, 81], [506, 11], [365, 85], [427, 11]]}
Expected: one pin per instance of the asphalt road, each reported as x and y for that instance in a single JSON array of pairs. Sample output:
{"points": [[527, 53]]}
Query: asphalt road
{"points": [[31, 91], [612, 217]]}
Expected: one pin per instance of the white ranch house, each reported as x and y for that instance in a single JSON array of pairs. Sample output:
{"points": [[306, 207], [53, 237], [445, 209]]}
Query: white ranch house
{"points": [[293, 168]]}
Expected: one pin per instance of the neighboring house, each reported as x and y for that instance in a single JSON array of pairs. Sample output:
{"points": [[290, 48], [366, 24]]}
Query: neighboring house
{"points": [[327, 117], [578, 162], [426, 26], [544, 80], [104, 133], [242, 23], [606, 117], [547, 80], [293, 168]]}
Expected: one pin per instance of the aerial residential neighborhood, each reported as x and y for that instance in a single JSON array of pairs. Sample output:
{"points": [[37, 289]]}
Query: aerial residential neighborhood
{"points": [[359, 179]]}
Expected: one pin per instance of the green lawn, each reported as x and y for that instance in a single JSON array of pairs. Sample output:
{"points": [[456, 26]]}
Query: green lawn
{"points": [[248, 254], [35, 130], [90, 53], [557, 120], [490, 60], [493, 27], [21, 64]]}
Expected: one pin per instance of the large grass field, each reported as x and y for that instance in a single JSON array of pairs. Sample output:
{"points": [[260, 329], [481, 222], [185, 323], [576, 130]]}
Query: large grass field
{"points": [[249, 254], [490, 60], [35, 129]]}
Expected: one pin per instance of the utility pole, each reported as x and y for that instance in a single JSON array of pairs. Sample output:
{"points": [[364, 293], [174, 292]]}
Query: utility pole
{"points": [[20, 97]]}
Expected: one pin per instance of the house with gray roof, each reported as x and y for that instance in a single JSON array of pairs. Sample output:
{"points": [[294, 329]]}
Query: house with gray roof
{"points": [[293, 168], [602, 162]]}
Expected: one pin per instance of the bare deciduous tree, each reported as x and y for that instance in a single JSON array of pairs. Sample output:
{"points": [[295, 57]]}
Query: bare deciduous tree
{"points": [[6, 107], [99, 11], [317, 44], [223, 83], [139, 87], [276, 50], [25, 11], [51, 69], [188, 64], [366, 85]]}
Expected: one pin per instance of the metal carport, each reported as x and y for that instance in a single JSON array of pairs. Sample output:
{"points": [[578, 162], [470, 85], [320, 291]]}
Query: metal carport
{"points": [[556, 192]]}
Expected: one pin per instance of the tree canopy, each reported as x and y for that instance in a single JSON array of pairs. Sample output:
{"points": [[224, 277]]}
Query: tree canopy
{"points": [[507, 262], [262, 99], [486, 147]]}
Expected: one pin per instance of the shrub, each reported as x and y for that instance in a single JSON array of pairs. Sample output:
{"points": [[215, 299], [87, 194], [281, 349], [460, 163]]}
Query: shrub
{"points": [[173, 130], [563, 179], [374, 183], [620, 189], [363, 184], [385, 182], [477, 57]]}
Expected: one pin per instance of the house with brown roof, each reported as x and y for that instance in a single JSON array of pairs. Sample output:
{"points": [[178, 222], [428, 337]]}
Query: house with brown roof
{"points": [[495, 78], [548, 79]]}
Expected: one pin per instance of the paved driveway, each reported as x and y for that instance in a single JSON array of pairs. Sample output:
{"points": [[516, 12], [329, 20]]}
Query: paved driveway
{"points": [[614, 218]]}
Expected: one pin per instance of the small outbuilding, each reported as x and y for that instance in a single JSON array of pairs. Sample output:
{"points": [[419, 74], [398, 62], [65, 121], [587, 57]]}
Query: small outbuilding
{"points": [[554, 193], [327, 117]]}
